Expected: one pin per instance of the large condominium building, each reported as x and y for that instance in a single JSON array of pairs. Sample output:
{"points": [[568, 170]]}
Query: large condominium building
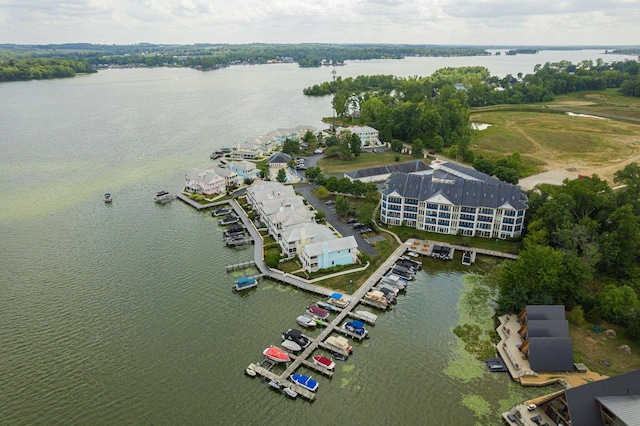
{"points": [[451, 199]]}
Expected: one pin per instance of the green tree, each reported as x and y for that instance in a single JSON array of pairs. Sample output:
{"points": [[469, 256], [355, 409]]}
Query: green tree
{"points": [[416, 150], [618, 304], [281, 176], [365, 213], [355, 144], [322, 192], [291, 146], [312, 173], [396, 145], [342, 205]]}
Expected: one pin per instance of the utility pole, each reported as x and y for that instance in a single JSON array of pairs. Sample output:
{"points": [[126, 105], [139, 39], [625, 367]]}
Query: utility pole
{"points": [[333, 104]]}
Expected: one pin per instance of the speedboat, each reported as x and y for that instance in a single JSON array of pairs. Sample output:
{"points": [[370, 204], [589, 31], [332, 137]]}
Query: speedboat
{"points": [[318, 311], [328, 307], [296, 336], [221, 211], [324, 362], [356, 327], [276, 354], [338, 356], [291, 346], [466, 258], [337, 300], [305, 381], [107, 198], [228, 220], [305, 321]]}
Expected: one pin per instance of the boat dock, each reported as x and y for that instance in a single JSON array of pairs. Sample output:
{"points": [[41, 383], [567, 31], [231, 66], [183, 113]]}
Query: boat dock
{"points": [[333, 326], [283, 382], [425, 248], [361, 318], [241, 265]]}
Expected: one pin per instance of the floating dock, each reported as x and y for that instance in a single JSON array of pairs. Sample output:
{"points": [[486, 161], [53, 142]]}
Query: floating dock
{"points": [[241, 265]]}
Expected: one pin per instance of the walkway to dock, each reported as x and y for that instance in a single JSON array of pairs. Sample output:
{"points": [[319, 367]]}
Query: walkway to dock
{"points": [[425, 248], [197, 205]]}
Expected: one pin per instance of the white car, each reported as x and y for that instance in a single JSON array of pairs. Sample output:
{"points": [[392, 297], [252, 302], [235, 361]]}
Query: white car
{"points": [[317, 151]]}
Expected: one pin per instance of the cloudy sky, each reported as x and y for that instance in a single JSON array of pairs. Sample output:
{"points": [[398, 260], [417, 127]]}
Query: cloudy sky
{"points": [[510, 22]]}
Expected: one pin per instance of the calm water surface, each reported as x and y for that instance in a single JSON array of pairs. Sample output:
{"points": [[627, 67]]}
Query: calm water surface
{"points": [[123, 314]]}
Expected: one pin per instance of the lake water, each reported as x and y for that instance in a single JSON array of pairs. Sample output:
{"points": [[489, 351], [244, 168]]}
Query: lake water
{"points": [[123, 314]]}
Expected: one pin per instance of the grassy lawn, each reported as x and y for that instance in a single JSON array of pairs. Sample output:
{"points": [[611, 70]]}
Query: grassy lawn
{"points": [[593, 349], [550, 140], [365, 160], [406, 232], [605, 101]]}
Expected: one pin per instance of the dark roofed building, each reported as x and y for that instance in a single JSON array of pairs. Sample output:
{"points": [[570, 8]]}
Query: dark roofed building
{"points": [[543, 312], [382, 173], [452, 199], [541, 328], [279, 160], [550, 353], [612, 401]]}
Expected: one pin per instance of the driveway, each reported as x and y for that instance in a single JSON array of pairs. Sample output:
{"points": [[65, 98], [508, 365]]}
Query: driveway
{"points": [[335, 221]]}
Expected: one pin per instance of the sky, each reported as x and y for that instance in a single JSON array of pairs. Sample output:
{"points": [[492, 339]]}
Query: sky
{"points": [[456, 22]]}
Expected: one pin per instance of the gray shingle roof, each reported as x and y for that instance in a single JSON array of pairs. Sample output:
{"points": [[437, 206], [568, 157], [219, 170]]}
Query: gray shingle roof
{"points": [[489, 193], [583, 406], [545, 312], [409, 167], [279, 157], [316, 249], [548, 328], [551, 353]]}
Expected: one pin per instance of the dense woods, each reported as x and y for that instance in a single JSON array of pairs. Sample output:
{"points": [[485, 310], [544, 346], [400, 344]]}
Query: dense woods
{"points": [[581, 249], [41, 69]]}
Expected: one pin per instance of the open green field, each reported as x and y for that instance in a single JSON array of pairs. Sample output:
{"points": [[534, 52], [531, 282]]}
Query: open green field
{"points": [[551, 140], [367, 159], [605, 101]]}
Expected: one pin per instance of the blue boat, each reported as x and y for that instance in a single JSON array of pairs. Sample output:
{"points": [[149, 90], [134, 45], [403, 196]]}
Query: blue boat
{"points": [[356, 327], [305, 381], [244, 283]]}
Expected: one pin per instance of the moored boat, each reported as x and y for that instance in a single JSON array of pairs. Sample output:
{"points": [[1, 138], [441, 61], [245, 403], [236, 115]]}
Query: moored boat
{"points": [[163, 197], [328, 307], [466, 258], [336, 299], [107, 198], [296, 336], [339, 344], [305, 321], [356, 327], [229, 220], [221, 211], [244, 283], [290, 392], [317, 311], [291, 346], [338, 356], [324, 362], [305, 381], [276, 354], [367, 315]]}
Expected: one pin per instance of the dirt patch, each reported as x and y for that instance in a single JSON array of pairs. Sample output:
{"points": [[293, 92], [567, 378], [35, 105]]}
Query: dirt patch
{"points": [[580, 103]]}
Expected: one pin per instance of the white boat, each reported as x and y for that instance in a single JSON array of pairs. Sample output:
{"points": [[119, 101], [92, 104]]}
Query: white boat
{"points": [[163, 197], [367, 315], [305, 321], [291, 346], [107, 198], [290, 392], [413, 254]]}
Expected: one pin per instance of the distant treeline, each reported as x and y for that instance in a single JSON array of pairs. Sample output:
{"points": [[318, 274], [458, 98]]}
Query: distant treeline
{"points": [[41, 68], [213, 56]]}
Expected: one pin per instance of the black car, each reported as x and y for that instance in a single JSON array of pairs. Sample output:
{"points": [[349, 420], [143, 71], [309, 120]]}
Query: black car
{"points": [[357, 225], [352, 221]]}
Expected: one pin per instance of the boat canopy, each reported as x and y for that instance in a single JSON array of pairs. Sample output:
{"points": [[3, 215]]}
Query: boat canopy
{"points": [[356, 324], [336, 296]]}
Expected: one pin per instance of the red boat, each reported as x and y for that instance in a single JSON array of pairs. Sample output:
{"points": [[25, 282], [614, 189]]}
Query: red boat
{"points": [[276, 354], [324, 361], [317, 311]]}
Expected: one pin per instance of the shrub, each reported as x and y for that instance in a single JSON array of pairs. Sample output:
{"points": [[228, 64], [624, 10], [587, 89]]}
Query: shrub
{"points": [[576, 316]]}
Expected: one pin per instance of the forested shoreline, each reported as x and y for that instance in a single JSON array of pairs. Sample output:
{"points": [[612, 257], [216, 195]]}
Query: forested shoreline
{"points": [[30, 62]]}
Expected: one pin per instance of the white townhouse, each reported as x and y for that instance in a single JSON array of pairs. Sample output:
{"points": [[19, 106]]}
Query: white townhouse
{"points": [[454, 200], [231, 178], [367, 134], [292, 224], [206, 182]]}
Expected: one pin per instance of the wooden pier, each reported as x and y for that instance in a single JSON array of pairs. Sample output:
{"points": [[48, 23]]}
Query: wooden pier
{"points": [[268, 375], [241, 265], [361, 318]]}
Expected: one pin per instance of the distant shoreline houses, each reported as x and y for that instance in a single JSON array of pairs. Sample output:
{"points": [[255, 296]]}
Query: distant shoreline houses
{"points": [[451, 199], [261, 146], [292, 224], [367, 134]]}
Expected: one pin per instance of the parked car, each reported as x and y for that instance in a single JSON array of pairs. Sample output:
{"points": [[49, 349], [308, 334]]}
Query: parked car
{"points": [[352, 220], [330, 202], [357, 225], [365, 230], [318, 151]]}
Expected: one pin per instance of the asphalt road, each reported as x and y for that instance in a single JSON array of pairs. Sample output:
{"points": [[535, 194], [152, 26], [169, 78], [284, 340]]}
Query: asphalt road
{"points": [[335, 221]]}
